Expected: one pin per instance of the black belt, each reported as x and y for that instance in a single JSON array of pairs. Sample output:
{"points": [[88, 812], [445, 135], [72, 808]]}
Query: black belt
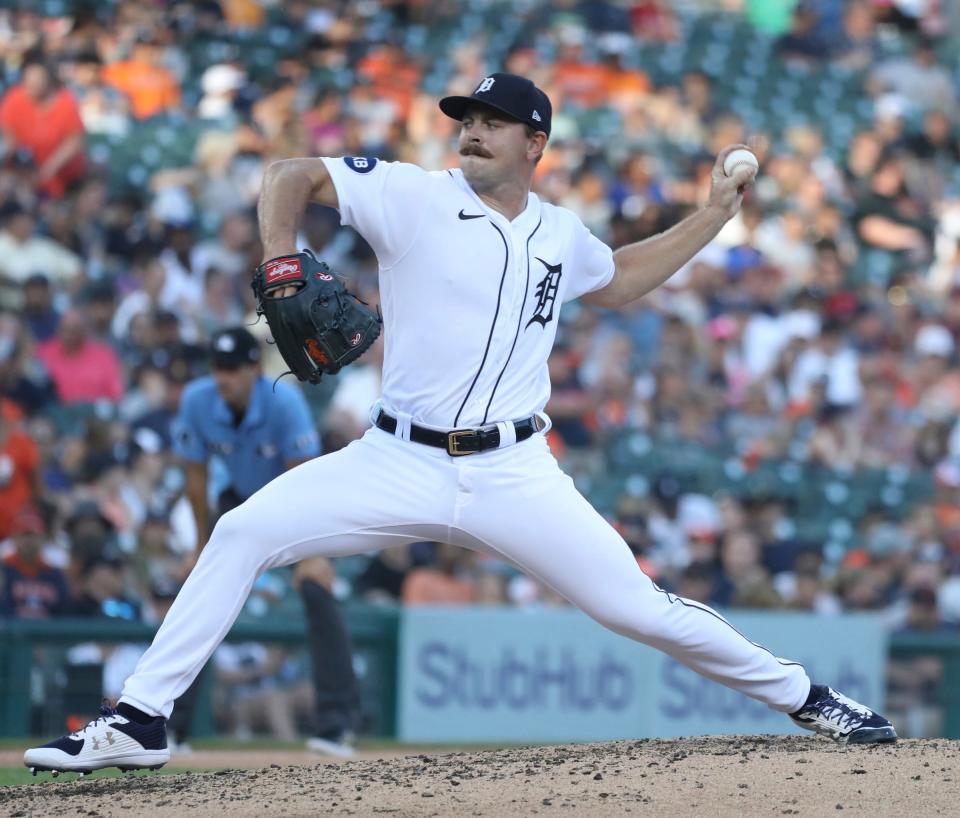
{"points": [[460, 441]]}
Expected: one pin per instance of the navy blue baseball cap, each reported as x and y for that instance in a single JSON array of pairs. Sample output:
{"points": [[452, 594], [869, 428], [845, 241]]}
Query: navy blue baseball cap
{"points": [[517, 97], [234, 347]]}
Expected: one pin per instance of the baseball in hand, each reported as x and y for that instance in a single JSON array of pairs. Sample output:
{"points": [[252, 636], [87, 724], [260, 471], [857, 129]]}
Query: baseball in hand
{"points": [[741, 156]]}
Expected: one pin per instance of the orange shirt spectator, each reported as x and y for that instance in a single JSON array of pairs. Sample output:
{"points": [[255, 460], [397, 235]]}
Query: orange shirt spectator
{"points": [[19, 473], [627, 84], [427, 586], [83, 370], [243, 14], [449, 582], [584, 84], [393, 76], [37, 116], [151, 87]]}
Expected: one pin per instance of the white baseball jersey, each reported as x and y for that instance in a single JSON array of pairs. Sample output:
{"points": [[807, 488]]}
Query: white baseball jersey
{"points": [[470, 299]]}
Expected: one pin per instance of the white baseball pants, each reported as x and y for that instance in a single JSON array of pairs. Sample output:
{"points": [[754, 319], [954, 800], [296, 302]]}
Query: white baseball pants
{"points": [[514, 502]]}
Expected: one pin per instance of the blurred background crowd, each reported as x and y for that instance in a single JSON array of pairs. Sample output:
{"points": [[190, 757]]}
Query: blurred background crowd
{"points": [[776, 427]]}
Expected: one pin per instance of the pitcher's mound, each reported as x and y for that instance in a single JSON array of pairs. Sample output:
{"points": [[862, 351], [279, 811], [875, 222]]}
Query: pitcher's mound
{"points": [[716, 776]]}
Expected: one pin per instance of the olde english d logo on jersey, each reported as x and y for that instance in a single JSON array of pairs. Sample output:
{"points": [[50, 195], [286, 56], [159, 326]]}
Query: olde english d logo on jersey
{"points": [[546, 294]]}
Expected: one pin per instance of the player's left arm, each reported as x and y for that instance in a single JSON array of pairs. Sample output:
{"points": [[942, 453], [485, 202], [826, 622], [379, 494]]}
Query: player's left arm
{"points": [[644, 265]]}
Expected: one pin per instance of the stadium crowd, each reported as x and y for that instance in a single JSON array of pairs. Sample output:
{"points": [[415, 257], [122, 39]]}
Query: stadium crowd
{"points": [[818, 332]]}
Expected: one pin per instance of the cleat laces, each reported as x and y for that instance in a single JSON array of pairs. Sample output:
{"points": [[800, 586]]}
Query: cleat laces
{"points": [[843, 712], [106, 712]]}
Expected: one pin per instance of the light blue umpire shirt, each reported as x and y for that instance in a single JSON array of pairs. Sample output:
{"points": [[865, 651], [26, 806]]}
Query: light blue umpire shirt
{"points": [[276, 429]]}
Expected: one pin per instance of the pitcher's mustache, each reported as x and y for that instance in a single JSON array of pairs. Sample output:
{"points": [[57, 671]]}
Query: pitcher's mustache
{"points": [[474, 150]]}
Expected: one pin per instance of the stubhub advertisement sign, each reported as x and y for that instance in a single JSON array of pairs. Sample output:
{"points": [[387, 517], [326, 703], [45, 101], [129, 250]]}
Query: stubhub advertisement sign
{"points": [[475, 674]]}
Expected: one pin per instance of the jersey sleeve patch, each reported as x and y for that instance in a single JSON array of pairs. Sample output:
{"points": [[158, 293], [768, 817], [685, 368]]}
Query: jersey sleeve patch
{"points": [[360, 164]]}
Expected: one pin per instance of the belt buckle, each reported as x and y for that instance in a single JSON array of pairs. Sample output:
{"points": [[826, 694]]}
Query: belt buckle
{"points": [[453, 442]]}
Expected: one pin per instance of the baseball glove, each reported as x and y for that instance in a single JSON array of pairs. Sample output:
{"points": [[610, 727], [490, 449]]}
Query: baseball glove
{"points": [[322, 327]]}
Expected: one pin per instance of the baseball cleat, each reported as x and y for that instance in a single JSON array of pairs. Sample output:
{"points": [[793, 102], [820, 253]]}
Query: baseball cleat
{"points": [[834, 715], [338, 746], [110, 740]]}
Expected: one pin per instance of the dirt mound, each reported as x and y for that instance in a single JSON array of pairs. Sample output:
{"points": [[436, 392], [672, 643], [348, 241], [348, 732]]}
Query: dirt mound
{"points": [[722, 776]]}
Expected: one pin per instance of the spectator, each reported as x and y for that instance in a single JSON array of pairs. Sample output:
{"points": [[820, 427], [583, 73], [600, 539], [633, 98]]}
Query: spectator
{"points": [[230, 251], [221, 306], [19, 468], [39, 116], [82, 369], [654, 20], [887, 437], [102, 590], [887, 218], [99, 301], [919, 78], [90, 534], [24, 253], [103, 109], [756, 429], [144, 299], [857, 47], [393, 75], [151, 87], [809, 594], [278, 122], [835, 443], [830, 363], [579, 80], [935, 381], [38, 310], [936, 143], [382, 579], [449, 581], [803, 40], [569, 401], [30, 588], [23, 382]]}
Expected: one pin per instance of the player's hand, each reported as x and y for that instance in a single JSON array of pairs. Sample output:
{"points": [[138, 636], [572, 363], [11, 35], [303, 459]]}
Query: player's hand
{"points": [[277, 252], [726, 192]]}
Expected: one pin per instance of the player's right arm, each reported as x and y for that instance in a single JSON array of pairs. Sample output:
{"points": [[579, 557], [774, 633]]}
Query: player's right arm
{"points": [[385, 202], [288, 186]]}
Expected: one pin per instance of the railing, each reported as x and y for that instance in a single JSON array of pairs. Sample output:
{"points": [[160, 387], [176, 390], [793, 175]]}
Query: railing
{"points": [[375, 630], [947, 647]]}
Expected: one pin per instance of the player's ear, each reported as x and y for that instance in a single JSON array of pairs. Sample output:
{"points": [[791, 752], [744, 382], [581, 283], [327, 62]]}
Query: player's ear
{"points": [[536, 143]]}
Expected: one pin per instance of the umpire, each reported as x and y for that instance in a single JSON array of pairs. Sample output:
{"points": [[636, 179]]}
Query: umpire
{"points": [[257, 431]]}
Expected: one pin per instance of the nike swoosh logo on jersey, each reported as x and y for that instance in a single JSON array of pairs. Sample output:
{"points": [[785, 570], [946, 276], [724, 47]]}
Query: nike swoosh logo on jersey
{"points": [[464, 216]]}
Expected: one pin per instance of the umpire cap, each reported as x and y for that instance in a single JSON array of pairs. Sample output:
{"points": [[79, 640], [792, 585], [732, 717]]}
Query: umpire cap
{"points": [[233, 347], [515, 96]]}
